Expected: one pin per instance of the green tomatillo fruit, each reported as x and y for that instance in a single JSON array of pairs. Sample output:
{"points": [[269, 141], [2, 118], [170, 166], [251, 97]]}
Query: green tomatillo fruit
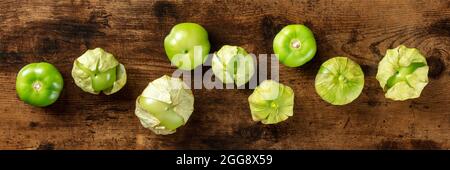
{"points": [[403, 73], [165, 105], [339, 81], [294, 45], [39, 84], [98, 71], [187, 45], [232, 64], [271, 102]]}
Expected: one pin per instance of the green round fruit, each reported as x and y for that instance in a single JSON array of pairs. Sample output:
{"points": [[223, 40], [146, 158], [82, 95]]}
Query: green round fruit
{"points": [[294, 45], [39, 84], [187, 45]]}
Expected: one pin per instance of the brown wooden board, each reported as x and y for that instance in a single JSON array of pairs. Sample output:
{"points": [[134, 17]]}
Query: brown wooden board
{"points": [[60, 31]]}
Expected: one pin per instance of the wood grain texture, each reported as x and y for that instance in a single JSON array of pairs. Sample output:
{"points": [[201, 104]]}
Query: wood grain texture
{"points": [[60, 31]]}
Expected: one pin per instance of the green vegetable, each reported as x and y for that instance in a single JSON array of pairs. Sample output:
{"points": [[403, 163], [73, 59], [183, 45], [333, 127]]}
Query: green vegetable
{"points": [[165, 105], [187, 45], [339, 81], [271, 102], [97, 70], [39, 84], [232, 64], [294, 45], [403, 73]]}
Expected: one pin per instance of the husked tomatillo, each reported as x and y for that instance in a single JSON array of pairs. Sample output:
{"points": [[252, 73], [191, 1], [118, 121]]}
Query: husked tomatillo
{"points": [[39, 84], [294, 45], [187, 45]]}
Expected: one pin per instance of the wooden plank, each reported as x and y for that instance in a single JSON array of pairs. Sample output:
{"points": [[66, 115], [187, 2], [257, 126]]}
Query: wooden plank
{"points": [[58, 32]]}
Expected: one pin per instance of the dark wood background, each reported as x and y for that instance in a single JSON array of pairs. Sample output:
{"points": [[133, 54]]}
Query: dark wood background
{"points": [[59, 32]]}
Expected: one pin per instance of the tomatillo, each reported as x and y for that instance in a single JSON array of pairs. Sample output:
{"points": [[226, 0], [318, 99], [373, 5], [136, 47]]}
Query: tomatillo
{"points": [[187, 45], [98, 71], [339, 81], [165, 105], [294, 45], [403, 73], [232, 64], [271, 102], [39, 84]]}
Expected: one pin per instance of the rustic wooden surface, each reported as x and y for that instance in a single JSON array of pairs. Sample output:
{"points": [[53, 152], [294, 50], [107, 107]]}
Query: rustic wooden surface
{"points": [[58, 32]]}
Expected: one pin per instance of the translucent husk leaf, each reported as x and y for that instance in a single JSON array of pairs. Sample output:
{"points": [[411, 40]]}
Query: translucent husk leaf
{"points": [[120, 81]]}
